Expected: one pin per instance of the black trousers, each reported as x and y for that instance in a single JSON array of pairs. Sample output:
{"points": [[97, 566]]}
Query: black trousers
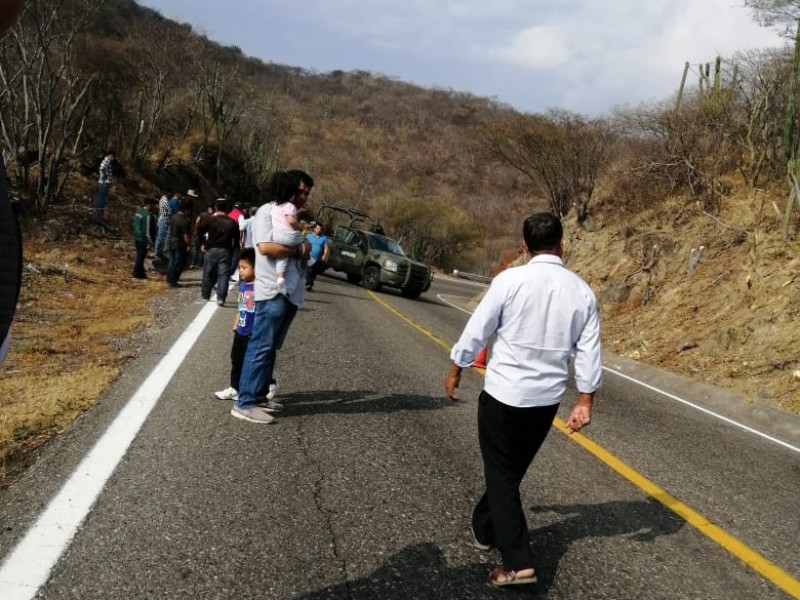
{"points": [[177, 261], [509, 438], [141, 254], [238, 350], [318, 268]]}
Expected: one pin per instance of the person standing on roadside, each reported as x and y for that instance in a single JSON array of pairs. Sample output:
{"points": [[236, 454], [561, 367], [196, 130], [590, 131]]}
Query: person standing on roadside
{"points": [[104, 185], [180, 240], [318, 259], [144, 231], [238, 216], [274, 311], [243, 324], [222, 236], [539, 313], [162, 236], [199, 239], [247, 227]]}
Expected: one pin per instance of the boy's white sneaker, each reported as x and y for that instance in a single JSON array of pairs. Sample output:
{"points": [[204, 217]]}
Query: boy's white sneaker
{"points": [[227, 394], [273, 391]]}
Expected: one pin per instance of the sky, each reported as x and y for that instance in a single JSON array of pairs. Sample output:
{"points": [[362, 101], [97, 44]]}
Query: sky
{"points": [[586, 56]]}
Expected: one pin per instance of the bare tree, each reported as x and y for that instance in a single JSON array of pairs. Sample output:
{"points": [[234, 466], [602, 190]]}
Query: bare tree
{"points": [[759, 114], [562, 153], [775, 12], [222, 110], [153, 96], [45, 98]]}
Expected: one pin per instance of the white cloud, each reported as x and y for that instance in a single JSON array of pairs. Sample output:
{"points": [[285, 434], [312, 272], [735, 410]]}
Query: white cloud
{"points": [[537, 47], [625, 51]]}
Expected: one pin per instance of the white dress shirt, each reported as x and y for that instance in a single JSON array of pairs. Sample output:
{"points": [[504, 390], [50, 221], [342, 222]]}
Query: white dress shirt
{"points": [[540, 313]]}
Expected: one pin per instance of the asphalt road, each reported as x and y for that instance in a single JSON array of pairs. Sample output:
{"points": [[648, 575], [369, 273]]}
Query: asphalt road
{"points": [[364, 487]]}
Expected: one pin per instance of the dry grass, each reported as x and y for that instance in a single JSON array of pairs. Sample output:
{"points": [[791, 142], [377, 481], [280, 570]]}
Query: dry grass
{"points": [[77, 308], [732, 322]]}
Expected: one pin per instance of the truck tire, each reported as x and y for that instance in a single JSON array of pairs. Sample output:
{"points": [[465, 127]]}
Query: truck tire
{"points": [[372, 278], [354, 278]]}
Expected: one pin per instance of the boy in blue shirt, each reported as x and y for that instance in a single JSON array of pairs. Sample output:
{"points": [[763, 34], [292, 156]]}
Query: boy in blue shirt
{"points": [[243, 326]]}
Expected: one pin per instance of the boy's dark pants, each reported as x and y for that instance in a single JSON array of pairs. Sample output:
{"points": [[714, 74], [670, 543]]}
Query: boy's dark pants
{"points": [[238, 350], [509, 438]]}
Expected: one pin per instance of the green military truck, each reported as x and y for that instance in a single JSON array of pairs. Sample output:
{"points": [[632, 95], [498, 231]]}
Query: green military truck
{"points": [[359, 249]]}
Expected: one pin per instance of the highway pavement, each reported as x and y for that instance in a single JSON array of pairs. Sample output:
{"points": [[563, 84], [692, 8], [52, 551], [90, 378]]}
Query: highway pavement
{"points": [[364, 487]]}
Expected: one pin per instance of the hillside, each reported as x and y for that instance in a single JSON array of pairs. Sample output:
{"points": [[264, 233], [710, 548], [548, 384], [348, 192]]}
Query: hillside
{"points": [[732, 321]]}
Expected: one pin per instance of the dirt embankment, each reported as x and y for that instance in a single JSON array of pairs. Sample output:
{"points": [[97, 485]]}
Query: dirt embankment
{"points": [[715, 298]]}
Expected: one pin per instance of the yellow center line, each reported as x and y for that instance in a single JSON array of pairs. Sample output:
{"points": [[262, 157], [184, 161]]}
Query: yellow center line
{"points": [[740, 550]]}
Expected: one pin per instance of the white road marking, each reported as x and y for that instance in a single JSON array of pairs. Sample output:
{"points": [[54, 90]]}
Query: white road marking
{"points": [[672, 397], [451, 305], [704, 410], [28, 566]]}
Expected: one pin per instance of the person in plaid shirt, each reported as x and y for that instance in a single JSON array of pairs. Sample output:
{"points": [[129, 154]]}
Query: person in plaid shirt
{"points": [[105, 185], [164, 216]]}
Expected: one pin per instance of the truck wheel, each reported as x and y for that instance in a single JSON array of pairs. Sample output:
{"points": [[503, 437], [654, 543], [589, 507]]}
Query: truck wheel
{"points": [[410, 293], [372, 278], [354, 278]]}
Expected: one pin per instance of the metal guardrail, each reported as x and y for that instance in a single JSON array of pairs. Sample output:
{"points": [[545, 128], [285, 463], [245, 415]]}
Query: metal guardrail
{"points": [[471, 276]]}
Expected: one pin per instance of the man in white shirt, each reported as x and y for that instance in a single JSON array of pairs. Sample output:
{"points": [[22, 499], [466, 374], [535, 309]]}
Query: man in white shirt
{"points": [[539, 313]]}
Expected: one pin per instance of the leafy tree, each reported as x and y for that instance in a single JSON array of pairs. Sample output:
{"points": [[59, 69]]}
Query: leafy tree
{"points": [[429, 230]]}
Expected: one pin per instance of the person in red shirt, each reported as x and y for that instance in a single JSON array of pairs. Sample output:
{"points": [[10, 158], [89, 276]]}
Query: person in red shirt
{"points": [[237, 215]]}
